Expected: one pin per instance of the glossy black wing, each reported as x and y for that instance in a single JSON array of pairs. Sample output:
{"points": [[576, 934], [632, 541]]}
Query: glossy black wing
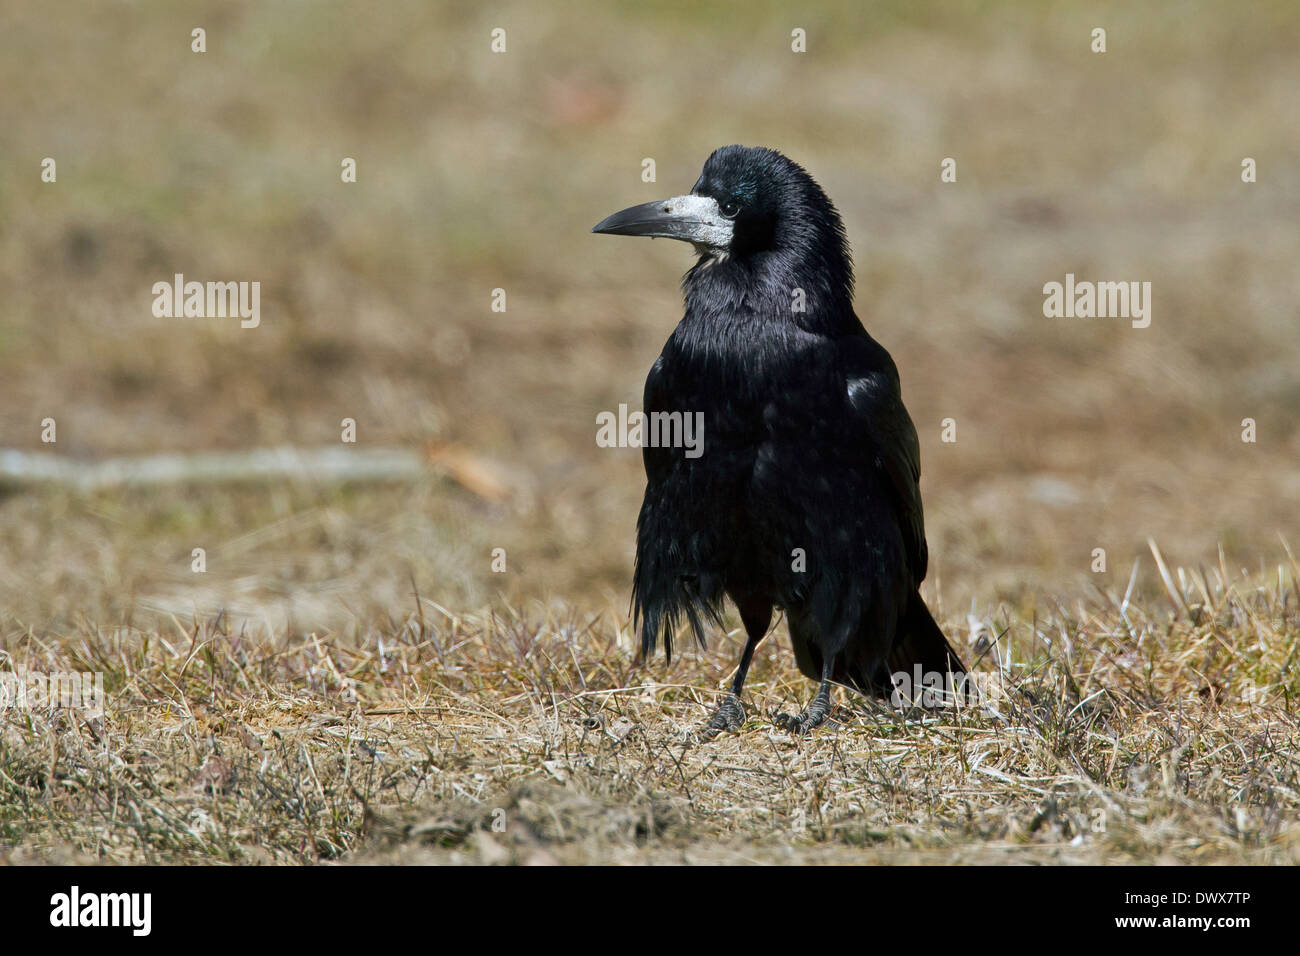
{"points": [[877, 402]]}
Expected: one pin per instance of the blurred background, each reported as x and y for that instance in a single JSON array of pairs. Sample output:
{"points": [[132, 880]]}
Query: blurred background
{"points": [[479, 171]]}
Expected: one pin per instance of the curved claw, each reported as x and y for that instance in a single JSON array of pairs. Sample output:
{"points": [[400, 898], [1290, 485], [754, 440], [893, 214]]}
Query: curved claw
{"points": [[730, 715], [800, 724]]}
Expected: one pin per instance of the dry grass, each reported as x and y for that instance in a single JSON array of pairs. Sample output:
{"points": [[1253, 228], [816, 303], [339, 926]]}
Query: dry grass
{"points": [[1126, 732]]}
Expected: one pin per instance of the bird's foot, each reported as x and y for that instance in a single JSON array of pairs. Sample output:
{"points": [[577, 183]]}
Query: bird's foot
{"points": [[730, 715], [801, 724]]}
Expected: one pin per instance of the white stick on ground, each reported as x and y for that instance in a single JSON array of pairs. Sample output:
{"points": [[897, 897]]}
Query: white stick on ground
{"points": [[310, 464]]}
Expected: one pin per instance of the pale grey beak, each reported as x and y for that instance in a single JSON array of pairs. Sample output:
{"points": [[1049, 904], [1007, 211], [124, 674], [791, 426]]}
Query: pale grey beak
{"points": [[694, 219]]}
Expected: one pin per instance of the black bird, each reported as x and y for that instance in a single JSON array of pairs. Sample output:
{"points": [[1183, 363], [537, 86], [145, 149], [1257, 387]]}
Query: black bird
{"points": [[805, 496]]}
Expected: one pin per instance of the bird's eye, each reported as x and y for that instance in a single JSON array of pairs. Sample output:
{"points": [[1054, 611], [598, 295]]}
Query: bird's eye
{"points": [[730, 209]]}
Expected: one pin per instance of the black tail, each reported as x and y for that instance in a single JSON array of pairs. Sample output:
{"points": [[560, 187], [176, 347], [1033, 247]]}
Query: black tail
{"points": [[921, 642]]}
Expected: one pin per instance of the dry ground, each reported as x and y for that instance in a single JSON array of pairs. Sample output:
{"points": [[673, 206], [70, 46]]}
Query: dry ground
{"points": [[1111, 732], [254, 713]]}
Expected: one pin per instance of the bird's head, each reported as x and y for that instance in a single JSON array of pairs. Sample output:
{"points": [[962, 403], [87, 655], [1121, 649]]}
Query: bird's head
{"points": [[750, 205]]}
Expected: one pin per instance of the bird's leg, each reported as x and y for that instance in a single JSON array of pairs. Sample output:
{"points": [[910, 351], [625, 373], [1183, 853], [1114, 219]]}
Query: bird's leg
{"points": [[730, 714], [817, 711]]}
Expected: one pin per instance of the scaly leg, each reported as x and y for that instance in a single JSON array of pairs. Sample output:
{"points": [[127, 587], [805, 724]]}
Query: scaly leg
{"points": [[817, 711], [730, 714]]}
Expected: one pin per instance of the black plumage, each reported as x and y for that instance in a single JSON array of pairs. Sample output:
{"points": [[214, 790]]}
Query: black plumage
{"points": [[805, 497]]}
